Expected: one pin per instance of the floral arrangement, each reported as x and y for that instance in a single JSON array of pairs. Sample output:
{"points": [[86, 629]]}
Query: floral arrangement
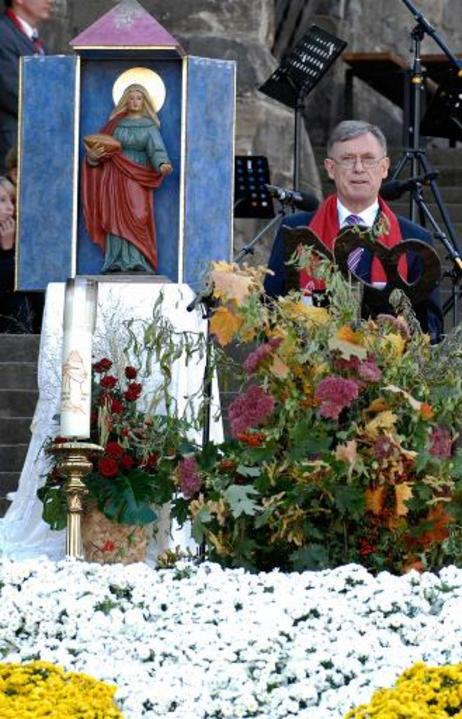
{"points": [[343, 438], [41, 689], [189, 642], [144, 461], [421, 691]]}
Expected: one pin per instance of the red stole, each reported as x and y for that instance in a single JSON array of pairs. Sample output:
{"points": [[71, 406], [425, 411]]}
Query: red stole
{"points": [[325, 224], [37, 43], [117, 200]]}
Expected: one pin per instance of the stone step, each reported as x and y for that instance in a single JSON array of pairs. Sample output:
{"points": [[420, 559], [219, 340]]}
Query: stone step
{"points": [[8, 483], [453, 209], [18, 375], [12, 457], [436, 157], [451, 194], [15, 429], [17, 403], [19, 348]]}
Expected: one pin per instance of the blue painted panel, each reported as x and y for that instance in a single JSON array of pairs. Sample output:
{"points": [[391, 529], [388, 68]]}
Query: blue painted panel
{"points": [[97, 79], [46, 171], [209, 165]]}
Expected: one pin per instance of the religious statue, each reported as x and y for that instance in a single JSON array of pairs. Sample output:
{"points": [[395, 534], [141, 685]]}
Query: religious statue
{"points": [[124, 164]]}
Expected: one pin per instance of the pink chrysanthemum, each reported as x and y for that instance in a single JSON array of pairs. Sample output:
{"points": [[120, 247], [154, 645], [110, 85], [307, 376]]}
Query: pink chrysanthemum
{"points": [[440, 443], [250, 409], [255, 358], [190, 479], [369, 371], [383, 447], [335, 393]]}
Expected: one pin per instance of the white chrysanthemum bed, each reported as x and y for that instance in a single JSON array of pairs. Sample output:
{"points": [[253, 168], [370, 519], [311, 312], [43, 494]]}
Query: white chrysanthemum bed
{"points": [[199, 642]]}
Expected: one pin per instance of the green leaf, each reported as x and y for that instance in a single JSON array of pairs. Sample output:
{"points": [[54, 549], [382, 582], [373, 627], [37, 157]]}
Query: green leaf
{"points": [[248, 471], [239, 499], [314, 556], [180, 510], [306, 442], [456, 465], [198, 524], [349, 500], [54, 506]]}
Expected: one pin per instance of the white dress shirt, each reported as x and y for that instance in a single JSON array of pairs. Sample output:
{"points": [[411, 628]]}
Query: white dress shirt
{"points": [[367, 216]]}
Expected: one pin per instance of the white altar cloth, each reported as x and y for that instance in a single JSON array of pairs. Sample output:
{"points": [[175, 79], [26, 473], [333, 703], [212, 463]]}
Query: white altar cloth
{"points": [[23, 533]]}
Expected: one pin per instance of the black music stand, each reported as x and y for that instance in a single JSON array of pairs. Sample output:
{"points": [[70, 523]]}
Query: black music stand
{"points": [[251, 196], [299, 72]]}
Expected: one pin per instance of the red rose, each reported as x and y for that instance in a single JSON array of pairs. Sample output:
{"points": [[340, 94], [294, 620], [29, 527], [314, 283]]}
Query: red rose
{"points": [[127, 462], [108, 546], [103, 365], [117, 407], [108, 467], [132, 392], [113, 449], [108, 382], [150, 460], [131, 372]]}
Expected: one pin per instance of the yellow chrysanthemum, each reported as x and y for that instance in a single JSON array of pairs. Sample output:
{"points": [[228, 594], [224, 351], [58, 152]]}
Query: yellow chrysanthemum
{"points": [[39, 689], [421, 692]]}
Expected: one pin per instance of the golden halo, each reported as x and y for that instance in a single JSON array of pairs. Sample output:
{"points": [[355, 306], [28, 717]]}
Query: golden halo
{"points": [[150, 80]]}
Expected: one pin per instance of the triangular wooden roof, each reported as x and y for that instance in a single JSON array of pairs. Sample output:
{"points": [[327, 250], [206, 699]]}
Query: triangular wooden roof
{"points": [[127, 25]]}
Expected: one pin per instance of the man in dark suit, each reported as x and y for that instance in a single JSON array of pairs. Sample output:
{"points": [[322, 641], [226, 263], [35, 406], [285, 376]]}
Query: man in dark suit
{"points": [[18, 36], [357, 163]]}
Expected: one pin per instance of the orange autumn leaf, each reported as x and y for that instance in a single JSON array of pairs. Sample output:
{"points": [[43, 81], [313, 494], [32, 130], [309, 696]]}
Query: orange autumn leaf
{"points": [[440, 520], [381, 423], [426, 411], [347, 452], [229, 284], [378, 405], [347, 334], [403, 492], [224, 325], [279, 368], [375, 500]]}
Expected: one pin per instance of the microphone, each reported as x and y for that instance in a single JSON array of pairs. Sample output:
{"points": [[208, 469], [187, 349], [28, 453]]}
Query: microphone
{"points": [[302, 200], [393, 189]]}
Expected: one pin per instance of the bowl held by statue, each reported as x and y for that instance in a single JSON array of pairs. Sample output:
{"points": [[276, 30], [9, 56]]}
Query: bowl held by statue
{"points": [[109, 143]]}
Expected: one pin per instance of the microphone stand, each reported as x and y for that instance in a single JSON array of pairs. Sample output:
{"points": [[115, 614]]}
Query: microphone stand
{"points": [[418, 158], [249, 248], [205, 300], [456, 273]]}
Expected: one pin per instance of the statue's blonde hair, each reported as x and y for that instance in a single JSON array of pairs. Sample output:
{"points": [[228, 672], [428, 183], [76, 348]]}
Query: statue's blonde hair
{"points": [[148, 107]]}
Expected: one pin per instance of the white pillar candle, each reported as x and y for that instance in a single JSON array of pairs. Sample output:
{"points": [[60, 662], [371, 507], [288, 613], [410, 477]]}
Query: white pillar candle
{"points": [[78, 327]]}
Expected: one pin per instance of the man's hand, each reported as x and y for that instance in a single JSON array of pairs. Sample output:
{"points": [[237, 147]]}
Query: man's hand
{"points": [[165, 168], [7, 234]]}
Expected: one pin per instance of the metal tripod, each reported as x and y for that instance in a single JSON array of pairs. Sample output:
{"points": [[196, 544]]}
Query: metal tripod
{"points": [[420, 165]]}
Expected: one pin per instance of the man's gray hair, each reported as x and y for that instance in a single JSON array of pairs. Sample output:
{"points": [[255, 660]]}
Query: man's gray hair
{"points": [[350, 129]]}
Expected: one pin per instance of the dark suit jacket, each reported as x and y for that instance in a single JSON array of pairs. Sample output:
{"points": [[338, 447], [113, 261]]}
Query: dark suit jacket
{"points": [[428, 311], [13, 44]]}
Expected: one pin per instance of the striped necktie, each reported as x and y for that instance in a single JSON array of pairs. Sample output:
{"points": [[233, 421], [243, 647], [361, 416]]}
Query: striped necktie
{"points": [[37, 43], [354, 257]]}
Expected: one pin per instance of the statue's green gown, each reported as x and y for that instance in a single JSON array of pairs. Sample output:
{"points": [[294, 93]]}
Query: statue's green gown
{"points": [[142, 143]]}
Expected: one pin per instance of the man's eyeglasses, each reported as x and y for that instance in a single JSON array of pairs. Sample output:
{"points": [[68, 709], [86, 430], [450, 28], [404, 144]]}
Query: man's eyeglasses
{"points": [[350, 161]]}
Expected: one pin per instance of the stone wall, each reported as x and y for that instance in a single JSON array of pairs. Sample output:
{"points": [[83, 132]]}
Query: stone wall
{"points": [[244, 31]]}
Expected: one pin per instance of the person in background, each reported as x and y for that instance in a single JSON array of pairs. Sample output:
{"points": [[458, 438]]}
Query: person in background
{"points": [[16, 314], [18, 37], [357, 163]]}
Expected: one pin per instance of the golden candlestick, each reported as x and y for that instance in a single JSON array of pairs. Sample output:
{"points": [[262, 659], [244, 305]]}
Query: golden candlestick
{"points": [[74, 463]]}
